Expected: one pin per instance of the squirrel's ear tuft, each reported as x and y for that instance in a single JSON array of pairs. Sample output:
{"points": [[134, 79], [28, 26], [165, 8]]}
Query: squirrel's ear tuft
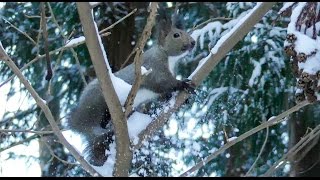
{"points": [[164, 25], [177, 20]]}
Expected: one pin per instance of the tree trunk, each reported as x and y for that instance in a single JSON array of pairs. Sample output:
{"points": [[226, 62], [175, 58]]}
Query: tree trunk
{"points": [[120, 43]]}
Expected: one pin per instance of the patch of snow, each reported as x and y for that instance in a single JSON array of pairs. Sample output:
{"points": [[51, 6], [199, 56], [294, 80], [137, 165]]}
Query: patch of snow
{"points": [[74, 42]]}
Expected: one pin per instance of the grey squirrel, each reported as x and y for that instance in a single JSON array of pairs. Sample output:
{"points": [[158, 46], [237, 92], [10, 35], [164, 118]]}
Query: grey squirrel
{"points": [[91, 118]]}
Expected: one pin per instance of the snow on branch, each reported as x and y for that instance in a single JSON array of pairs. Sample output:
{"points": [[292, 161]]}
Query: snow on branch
{"points": [[107, 82]]}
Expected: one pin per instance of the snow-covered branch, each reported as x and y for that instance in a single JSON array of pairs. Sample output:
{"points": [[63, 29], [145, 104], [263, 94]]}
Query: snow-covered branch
{"points": [[105, 76]]}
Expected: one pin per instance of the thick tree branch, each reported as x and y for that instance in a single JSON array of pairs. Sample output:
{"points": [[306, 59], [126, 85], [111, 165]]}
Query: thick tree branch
{"points": [[42, 104], [271, 122], [237, 33], [93, 41]]}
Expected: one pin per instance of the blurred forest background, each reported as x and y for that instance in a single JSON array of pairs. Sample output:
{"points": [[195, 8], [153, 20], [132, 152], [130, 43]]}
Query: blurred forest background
{"points": [[251, 84]]}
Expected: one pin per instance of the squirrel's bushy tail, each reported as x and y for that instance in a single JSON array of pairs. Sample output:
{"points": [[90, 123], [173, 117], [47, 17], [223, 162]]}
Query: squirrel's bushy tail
{"points": [[95, 150], [91, 120]]}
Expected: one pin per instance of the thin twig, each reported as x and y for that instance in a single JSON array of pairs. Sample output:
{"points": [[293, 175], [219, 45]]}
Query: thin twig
{"points": [[54, 155], [114, 24], [271, 122], [210, 20], [261, 150], [46, 43], [42, 104], [131, 54], [138, 58], [25, 131], [293, 151], [25, 34], [19, 142], [34, 16]]}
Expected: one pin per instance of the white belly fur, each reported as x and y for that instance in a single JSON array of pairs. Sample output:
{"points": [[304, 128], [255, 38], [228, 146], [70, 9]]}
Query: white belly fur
{"points": [[144, 95]]}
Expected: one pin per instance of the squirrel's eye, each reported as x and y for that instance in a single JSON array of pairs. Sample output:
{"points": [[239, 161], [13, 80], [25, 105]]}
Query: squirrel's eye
{"points": [[176, 35]]}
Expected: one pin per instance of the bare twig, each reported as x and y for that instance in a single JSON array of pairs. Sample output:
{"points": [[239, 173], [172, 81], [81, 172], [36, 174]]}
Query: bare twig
{"points": [[293, 151], [42, 104], [131, 54], [26, 131], [34, 16], [19, 142], [18, 115], [54, 155], [120, 20], [261, 150], [307, 149], [270, 122], [138, 58], [45, 38], [210, 20], [102, 68], [14, 27], [205, 68]]}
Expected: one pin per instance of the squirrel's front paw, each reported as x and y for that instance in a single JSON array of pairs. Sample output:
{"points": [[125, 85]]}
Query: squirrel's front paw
{"points": [[188, 86]]}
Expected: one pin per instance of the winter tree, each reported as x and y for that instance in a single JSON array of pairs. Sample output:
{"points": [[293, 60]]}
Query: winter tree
{"points": [[254, 111]]}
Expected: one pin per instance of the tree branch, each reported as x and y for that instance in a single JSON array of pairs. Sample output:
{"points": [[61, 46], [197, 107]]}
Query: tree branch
{"points": [[26, 131], [16, 28], [102, 68], [294, 150], [271, 122], [205, 66], [42, 104], [261, 150], [45, 39], [138, 58], [54, 155], [19, 142]]}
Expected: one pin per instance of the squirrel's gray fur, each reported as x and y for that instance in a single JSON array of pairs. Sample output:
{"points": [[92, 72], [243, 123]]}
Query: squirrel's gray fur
{"points": [[91, 119]]}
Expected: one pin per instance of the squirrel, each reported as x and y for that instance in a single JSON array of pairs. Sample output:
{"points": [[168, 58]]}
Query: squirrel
{"points": [[91, 118]]}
